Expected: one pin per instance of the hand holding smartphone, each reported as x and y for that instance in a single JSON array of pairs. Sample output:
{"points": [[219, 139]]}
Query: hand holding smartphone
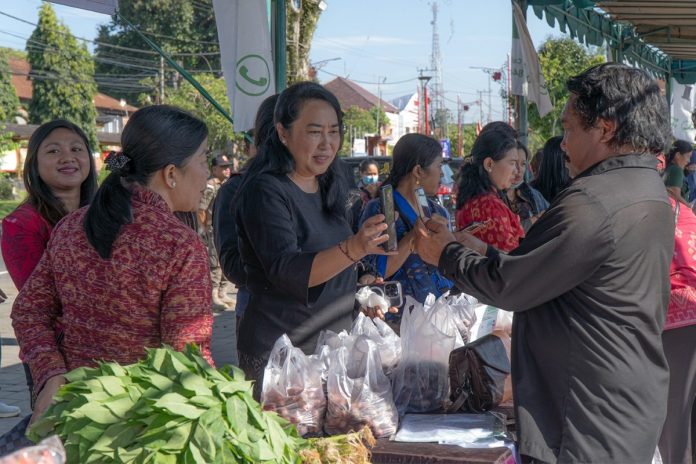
{"points": [[422, 203], [386, 198]]}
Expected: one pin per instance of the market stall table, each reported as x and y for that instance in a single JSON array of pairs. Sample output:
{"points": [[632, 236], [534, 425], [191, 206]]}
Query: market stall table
{"points": [[391, 452]]}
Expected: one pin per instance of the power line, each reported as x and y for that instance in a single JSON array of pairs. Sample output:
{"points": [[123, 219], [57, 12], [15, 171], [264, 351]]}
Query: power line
{"points": [[119, 47], [371, 83]]}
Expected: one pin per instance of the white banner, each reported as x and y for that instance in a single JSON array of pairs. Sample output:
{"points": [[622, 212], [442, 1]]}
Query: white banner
{"points": [[100, 6], [527, 79], [247, 56], [682, 104]]}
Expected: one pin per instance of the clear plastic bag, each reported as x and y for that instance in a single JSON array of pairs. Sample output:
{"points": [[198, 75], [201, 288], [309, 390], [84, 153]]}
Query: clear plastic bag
{"points": [[388, 342], [463, 308], [467, 430], [292, 387], [48, 451], [358, 392], [428, 336]]}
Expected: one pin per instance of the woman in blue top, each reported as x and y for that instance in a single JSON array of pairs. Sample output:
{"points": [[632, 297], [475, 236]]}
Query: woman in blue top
{"points": [[416, 163]]}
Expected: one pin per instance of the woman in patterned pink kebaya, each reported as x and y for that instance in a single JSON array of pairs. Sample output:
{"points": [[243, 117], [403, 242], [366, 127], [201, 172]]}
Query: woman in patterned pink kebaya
{"points": [[124, 273]]}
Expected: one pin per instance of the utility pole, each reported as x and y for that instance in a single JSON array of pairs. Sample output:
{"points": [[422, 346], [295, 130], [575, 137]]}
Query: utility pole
{"points": [[459, 127], [423, 103], [493, 73], [161, 81], [480, 102], [380, 80]]}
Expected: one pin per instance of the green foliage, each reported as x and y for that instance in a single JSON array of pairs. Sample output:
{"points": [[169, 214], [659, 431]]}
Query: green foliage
{"points": [[178, 26], [9, 102], [7, 206], [299, 32], [6, 187], [468, 138], [63, 76], [172, 407], [220, 129], [359, 122], [560, 59]]}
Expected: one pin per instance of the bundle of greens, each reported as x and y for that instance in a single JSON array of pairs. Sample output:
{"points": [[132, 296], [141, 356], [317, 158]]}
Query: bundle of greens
{"points": [[172, 407]]}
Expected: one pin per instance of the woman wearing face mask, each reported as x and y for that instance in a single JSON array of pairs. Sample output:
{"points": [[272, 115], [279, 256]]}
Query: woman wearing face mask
{"points": [[490, 169], [417, 161], [522, 199], [368, 186]]}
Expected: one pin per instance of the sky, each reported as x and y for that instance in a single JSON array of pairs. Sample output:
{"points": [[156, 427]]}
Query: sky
{"points": [[369, 41]]}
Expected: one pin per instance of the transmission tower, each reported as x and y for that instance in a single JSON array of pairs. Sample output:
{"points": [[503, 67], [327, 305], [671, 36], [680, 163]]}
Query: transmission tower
{"points": [[439, 111]]}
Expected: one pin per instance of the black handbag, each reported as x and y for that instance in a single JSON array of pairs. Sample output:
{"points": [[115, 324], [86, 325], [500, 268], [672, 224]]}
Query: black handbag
{"points": [[477, 375]]}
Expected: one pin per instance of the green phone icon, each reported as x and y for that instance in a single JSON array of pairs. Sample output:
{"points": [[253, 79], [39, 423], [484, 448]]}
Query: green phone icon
{"points": [[244, 72]]}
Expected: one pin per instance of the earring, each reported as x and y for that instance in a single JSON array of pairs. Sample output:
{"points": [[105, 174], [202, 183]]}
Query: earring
{"points": [[173, 184], [417, 182]]}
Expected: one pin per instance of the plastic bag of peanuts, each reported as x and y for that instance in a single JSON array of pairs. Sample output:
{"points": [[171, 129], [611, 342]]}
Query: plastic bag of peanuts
{"points": [[292, 387]]}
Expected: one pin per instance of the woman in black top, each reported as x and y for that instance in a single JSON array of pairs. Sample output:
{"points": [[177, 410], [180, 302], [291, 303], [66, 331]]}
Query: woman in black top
{"points": [[295, 236]]}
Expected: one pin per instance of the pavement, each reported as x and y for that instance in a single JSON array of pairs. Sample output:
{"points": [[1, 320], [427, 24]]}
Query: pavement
{"points": [[13, 384]]}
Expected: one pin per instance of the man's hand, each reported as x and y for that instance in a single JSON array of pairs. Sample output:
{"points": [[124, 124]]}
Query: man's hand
{"points": [[431, 239], [45, 397], [471, 242]]}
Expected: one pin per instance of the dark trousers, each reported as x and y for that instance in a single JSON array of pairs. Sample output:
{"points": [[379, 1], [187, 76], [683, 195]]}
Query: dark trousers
{"points": [[676, 442]]}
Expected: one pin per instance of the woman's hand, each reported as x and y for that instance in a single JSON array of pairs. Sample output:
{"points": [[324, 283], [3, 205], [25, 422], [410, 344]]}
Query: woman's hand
{"points": [[376, 311], [45, 397], [369, 238]]}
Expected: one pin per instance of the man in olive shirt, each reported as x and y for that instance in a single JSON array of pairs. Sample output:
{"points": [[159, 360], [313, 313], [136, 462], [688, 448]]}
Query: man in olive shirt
{"points": [[589, 284]]}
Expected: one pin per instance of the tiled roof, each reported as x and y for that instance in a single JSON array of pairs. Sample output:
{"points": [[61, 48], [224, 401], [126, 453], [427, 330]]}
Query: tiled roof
{"points": [[351, 94], [20, 80]]}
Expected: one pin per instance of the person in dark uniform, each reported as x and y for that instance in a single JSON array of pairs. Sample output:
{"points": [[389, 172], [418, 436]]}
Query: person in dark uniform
{"points": [[590, 282]]}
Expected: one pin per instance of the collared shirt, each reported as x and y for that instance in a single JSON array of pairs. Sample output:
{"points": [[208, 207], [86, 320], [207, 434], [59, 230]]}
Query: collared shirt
{"points": [[155, 289], [590, 287]]}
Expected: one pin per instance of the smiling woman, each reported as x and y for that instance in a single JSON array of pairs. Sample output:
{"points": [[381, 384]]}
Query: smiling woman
{"points": [[295, 236]]}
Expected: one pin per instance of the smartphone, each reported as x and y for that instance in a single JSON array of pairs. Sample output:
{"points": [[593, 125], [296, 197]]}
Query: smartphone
{"points": [[386, 198], [390, 291], [422, 203], [473, 227]]}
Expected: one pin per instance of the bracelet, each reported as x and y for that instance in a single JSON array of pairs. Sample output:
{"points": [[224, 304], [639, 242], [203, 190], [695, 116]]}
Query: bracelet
{"points": [[345, 251]]}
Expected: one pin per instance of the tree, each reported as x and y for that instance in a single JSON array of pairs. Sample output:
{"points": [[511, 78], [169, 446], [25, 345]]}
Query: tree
{"points": [[184, 29], [468, 137], [359, 122], [62, 74], [9, 103], [220, 131], [299, 32], [560, 59], [187, 31]]}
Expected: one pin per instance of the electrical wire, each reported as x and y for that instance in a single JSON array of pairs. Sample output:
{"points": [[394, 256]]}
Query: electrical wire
{"points": [[371, 83]]}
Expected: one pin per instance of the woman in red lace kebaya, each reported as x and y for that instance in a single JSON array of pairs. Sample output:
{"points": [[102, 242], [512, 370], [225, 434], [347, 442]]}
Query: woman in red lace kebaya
{"points": [[678, 341], [124, 273], [60, 177], [489, 170]]}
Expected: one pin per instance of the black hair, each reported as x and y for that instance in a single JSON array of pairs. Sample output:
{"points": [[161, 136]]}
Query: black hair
{"points": [[154, 137], [629, 97], [500, 126], [410, 151], [523, 147], [263, 123], [39, 194], [473, 179], [273, 156], [553, 175], [364, 164], [678, 146]]}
